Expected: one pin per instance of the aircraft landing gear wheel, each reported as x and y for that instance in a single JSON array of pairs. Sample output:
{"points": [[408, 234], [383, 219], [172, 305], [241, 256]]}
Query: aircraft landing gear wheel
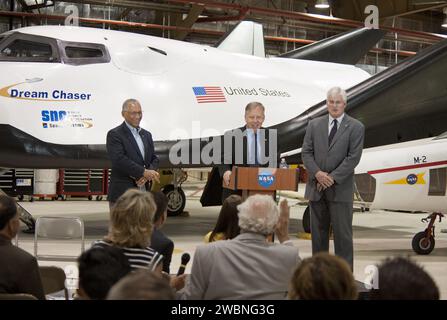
{"points": [[421, 244], [306, 220], [176, 200]]}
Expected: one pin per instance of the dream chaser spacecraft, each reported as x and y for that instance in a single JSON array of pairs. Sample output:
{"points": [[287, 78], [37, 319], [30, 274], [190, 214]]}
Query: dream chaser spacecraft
{"points": [[61, 90]]}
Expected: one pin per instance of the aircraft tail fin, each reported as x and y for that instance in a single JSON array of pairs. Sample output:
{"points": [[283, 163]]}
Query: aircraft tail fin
{"points": [[247, 38], [347, 48]]}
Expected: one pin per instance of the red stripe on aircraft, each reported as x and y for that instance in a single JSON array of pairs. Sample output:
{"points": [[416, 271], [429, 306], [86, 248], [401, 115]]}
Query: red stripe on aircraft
{"points": [[414, 166]]}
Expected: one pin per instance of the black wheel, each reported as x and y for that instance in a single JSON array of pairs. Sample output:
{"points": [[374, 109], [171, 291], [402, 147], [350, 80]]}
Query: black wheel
{"points": [[422, 245], [20, 197], [90, 197], [31, 199], [98, 198], [176, 200], [306, 220]]}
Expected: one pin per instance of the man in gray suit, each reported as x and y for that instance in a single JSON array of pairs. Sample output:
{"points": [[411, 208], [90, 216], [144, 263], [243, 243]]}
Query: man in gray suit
{"points": [[331, 150], [248, 266]]}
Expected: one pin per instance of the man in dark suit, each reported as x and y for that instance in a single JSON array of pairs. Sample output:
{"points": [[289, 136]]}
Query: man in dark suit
{"points": [[131, 151], [159, 242], [19, 272], [247, 146], [331, 150]]}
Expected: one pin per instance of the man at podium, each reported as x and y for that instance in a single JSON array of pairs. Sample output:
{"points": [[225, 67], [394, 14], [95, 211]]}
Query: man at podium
{"points": [[248, 146]]}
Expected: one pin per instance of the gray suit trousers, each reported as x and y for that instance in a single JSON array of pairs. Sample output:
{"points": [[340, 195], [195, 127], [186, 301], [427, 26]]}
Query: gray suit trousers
{"points": [[323, 214]]}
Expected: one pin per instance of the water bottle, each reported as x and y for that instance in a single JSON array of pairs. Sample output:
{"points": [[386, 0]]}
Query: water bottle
{"points": [[283, 164]]}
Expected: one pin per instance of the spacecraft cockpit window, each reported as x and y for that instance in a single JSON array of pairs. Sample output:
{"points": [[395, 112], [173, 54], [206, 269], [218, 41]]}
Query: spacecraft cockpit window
{"points": [[78, 53], [74, 52], [28, 48]]}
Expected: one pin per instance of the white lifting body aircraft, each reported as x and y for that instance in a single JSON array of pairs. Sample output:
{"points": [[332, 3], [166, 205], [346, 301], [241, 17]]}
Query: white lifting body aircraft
{"points": [[409, 176]]}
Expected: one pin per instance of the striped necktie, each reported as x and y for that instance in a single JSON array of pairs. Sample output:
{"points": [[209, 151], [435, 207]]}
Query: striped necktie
{"points": [[333, 131]]}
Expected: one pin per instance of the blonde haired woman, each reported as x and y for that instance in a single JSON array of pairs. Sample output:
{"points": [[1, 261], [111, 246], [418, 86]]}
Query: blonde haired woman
{"points": [[131, 230]]}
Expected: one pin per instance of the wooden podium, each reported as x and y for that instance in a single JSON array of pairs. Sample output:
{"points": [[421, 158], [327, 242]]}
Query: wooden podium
{"points": [[257, 180]]}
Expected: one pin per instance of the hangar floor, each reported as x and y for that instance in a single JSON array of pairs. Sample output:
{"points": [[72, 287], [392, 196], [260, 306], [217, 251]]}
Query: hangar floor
{"points": [[377, 234]]}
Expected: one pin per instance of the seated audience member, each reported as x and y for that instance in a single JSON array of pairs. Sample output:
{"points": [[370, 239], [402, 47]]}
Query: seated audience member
{"points": [[99, 269], [131, 229], [19, 272], [227, 225], [159, 242], [402, 279], [142, 285], [323, 277], [247, 267]]}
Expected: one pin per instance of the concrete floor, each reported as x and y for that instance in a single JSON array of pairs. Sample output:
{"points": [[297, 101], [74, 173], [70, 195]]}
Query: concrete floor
{"points": [[377, 234]]}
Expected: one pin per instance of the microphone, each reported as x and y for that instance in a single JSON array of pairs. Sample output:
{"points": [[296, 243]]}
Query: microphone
{"points": [[185, 260]]}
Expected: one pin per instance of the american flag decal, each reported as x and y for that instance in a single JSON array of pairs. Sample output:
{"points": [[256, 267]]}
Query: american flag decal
{"points": [[209, 94]]}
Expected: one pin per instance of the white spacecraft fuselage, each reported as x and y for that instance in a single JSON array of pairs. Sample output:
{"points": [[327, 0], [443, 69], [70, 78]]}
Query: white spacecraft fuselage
{"points": [[77, 104], [408, 176]]}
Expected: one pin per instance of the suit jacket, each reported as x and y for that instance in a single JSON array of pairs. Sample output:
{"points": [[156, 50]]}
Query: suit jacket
{"points": [[127, 161], [339, 159], [230, 160], [246, 267], [19, 272], [213, 191], [163, 245]]}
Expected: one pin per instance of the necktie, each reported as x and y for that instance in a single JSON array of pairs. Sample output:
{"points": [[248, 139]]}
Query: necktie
{"points": [[333, 131], [141, 146], [141, 143], [256, 148]]}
